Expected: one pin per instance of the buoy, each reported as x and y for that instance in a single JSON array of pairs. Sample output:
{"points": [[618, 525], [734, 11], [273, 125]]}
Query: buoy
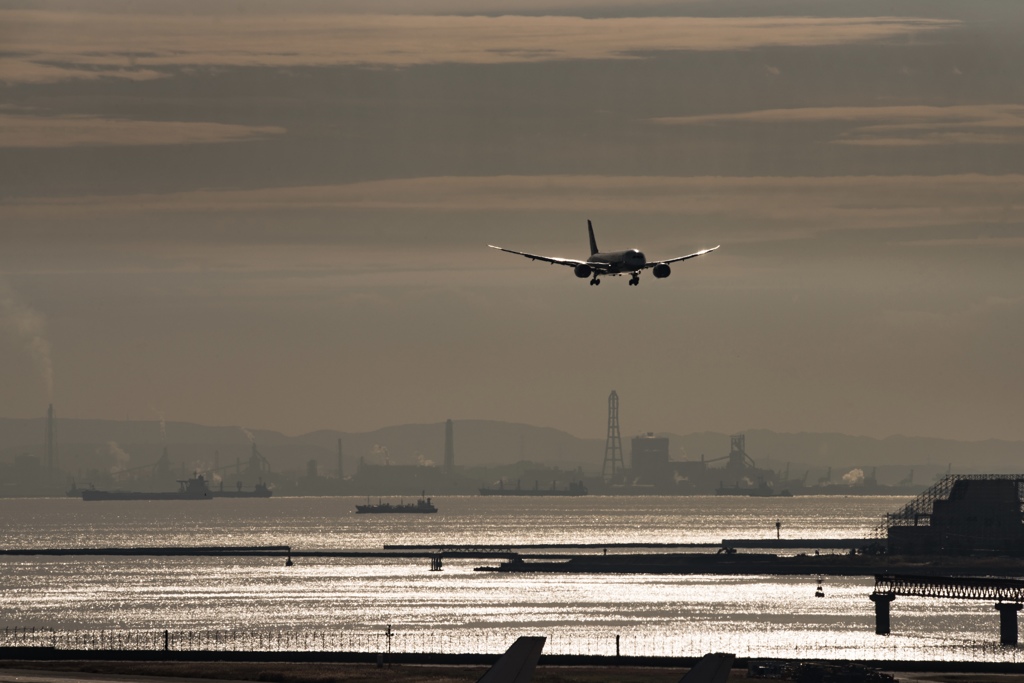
{"points": [[819, 591]]}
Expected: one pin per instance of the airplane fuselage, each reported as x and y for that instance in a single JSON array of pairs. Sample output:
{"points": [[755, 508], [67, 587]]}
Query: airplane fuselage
{"points": [[629, 261]]}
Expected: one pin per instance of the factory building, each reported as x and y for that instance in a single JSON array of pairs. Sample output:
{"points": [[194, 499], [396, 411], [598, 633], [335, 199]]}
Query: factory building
{"points": [[650, 461]]}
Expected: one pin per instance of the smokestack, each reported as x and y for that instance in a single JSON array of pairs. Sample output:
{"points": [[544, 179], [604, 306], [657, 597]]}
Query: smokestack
{"points": [[449, 448], [51, 444]]}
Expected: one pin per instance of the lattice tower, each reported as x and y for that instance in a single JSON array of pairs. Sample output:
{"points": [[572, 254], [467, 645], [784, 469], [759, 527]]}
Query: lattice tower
{"points": [[613, 445]]}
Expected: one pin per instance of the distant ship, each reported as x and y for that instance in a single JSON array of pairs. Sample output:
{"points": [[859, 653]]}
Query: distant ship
{"points": [[195, 488], [188, 489], [259, 491], [754, 491], [422, 505], [575, 488]]}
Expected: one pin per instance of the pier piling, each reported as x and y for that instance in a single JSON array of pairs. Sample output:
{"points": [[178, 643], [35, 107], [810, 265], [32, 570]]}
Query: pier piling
{"points": [[1008, 622], [882, 602]]}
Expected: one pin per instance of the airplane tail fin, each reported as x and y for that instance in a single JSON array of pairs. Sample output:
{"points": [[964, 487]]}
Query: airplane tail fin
{"points": [[518, 662], [593, 242], [712, 668]]}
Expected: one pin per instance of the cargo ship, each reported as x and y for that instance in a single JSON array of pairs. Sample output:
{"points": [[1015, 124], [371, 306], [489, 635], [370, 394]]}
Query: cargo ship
{"points": [[195, 488], [259, 491], [575, 488], [423, 505], [188, 489]]}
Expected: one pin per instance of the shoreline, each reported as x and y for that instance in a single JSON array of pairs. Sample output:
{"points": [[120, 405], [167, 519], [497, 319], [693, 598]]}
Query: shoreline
{"points": [[57, 659], [417, 669]]}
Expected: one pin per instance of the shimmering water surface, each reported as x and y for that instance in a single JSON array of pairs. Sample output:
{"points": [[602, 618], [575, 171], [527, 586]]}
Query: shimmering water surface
{"points": [[347, 603]]}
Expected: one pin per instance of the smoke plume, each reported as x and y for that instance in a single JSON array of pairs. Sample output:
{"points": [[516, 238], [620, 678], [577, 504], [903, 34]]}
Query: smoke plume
{"points": [[854, 477], [30, 327], [121, 459], [163, 424], [382, 450]]}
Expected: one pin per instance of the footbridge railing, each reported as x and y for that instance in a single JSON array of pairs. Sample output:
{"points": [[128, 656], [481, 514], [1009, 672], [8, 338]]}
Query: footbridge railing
{"points": [[956, 587], [1008, 595]]}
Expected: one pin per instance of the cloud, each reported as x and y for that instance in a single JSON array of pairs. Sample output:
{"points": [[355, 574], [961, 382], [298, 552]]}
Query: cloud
{"points": [[20, 70], [82, 131], [909, 125], [46, 45], [1007, 242], [772, 207]]}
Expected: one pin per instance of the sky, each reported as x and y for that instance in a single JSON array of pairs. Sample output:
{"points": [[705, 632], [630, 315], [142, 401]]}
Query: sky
{"points": [[276, 215]]}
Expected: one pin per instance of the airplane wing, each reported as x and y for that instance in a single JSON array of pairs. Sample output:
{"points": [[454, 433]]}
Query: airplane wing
{"points": [[681, 258], [560, 261]]}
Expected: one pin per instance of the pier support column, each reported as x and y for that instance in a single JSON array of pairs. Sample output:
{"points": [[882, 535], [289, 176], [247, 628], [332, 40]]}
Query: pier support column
{"points": [[882, 602], [1008, 622], [435, 563]]}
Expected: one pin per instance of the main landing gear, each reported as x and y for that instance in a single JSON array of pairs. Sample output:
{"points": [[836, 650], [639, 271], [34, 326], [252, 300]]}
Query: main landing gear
{"points": [[635, 280], [595, 281]]}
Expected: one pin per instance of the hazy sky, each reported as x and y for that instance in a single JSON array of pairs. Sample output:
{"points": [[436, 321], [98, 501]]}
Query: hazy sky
{"points": [[275, 214]]}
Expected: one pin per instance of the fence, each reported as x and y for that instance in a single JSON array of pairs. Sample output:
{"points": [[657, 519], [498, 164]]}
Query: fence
{"points": [[561, 641]]}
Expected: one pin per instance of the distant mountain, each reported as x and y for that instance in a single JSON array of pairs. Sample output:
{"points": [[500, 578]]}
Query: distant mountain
{"points": [[839, 449], [101, 443], [84, 444]]}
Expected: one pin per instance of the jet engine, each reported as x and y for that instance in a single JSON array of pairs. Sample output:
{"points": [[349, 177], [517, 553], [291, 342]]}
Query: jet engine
{"points": [[661, 270], [582, 270]]}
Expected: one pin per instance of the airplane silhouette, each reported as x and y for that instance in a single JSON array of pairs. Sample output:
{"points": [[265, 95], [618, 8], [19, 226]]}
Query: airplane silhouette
{"points": [[611, 263]]}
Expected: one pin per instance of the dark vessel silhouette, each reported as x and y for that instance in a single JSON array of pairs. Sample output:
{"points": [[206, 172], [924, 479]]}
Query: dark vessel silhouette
{"points": [[423, 505], [259, 491], [575, 488], [195, 488], [188, 489]]}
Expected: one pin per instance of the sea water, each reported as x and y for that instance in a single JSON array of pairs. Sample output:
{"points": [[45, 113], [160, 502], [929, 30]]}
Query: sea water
{"points": [[352, 603]]}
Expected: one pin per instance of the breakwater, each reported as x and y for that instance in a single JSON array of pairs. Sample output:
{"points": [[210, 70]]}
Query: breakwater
{"points": [[282, 551], [515, 559], [761, 564]]}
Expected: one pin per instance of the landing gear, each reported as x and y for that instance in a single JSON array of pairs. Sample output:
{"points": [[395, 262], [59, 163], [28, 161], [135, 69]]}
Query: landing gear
{"points": [[595, 281], [635, 280]]}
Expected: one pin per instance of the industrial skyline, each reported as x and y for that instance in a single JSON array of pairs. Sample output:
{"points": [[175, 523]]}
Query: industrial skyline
{"points": [[278, 215]]}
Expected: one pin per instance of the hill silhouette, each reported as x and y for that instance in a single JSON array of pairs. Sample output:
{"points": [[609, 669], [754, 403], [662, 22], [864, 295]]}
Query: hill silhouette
{"points": [[84, 443]]}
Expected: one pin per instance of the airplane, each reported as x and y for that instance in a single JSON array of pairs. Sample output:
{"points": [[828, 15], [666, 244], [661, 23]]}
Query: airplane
{"points": [[611, 263]]}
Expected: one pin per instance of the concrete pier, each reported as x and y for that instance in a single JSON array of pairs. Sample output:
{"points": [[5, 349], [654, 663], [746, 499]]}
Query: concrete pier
{"points": [[882, 602], [1008, 622]]}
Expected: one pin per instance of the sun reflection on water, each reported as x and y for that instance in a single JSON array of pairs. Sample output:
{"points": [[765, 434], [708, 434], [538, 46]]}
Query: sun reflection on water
{"points": [[345, 603]]}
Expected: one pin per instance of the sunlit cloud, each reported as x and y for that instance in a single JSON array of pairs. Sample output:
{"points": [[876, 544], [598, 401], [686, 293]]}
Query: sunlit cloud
{"points": [[81, 131], [773, 207], [983, 241], [910, 125], [24, 70], [44, 45]]}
